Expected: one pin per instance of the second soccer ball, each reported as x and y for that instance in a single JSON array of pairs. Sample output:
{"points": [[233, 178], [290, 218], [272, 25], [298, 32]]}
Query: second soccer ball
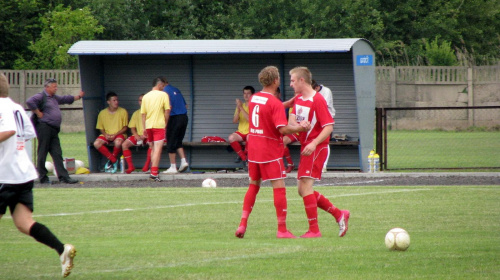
{"points": [[209, 183]]}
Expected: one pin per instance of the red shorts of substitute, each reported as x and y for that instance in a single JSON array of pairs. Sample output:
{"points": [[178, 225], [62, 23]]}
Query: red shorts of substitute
{"points": [[155, 134], [312, 165], [243, 136], [119, 136], [273, 170], [134, 141]]}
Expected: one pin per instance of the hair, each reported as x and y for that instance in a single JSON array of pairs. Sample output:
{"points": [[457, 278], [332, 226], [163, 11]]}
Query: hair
{"points": [[159, 79], [268, 75], [250, 88], [110, 94], [49, 81], [314, 84], [4, 86], [302, 72]]}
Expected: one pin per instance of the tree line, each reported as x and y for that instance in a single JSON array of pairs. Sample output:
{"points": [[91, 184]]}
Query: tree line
{"points": [[36, 34]]}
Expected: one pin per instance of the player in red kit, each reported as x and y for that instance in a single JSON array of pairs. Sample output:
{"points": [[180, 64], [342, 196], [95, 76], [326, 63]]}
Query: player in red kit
{"points": [[268, 123], [311, 106]]}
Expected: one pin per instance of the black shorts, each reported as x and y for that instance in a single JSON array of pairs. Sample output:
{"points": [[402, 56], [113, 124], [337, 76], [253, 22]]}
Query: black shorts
{"points": [[176, 129], [11, 195]]}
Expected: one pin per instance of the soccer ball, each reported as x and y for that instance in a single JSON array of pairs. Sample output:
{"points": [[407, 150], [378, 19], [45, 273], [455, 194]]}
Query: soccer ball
{"points": [[209, 183], [78, 164], [397, 239], [49, 166]]}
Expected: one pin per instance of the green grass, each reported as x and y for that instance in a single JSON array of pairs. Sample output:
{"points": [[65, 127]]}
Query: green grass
{"points": [[442, 149], [188, 233]]}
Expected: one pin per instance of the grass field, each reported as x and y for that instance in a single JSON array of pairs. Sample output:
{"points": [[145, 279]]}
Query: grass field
{"points": [[188, 233]]}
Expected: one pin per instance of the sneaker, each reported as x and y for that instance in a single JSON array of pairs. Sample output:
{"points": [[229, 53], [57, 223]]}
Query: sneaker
{"points": [[344, 219], [128, 171], [310, 234], [68, 180], [245, 165], [108, 166], [154, 178], [286, 234], [67, 259], [237, 160], [183, 167], [171, 171], [240, 232], [324, 170], [115, 167], [289, 168]]}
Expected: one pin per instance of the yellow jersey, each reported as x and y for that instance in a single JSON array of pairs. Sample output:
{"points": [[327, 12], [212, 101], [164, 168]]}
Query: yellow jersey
{"points": [[154, 105], [136, 121], [112, 122], [243, 125]]}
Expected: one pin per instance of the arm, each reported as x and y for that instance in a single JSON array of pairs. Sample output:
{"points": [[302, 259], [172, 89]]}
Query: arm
{"points": [[79, 96], [236, 116], [289, 103], [325, 133], [4, 135], [144, 125], [167, 116]]}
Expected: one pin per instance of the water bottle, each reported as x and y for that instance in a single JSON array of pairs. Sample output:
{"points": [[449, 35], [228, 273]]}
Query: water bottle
{"points": [[376, 163], [122, 164], [371, 162]]}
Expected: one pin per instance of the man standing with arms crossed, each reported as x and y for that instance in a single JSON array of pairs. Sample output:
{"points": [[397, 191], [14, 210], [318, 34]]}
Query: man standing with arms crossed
{"points": [[17, 174], [268, 123], [311, 106], [155, 110]]}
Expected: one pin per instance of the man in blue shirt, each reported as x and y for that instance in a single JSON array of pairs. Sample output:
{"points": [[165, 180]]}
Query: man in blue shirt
{"points": [[176, 129]]}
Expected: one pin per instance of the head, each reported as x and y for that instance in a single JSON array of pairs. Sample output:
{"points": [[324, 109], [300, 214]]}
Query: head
{"points": [[269, 77], [112, 100], [4, 86], [140, 99], [50, 86], [315, 85], [159, 83], [247, 92], [300, 79]]}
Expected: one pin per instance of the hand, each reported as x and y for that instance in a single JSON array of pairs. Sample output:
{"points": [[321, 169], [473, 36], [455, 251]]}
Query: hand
{"points": [[309, 149], [306, 125], [238, 103], [40, 115]]}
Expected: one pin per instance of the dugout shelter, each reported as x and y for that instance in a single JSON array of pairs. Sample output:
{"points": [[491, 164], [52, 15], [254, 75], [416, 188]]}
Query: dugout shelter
{"points": [[211, 75]]}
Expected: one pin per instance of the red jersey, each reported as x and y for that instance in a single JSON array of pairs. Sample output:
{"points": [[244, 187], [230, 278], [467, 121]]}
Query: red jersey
{"points": [[314, 110], [266, 114]]}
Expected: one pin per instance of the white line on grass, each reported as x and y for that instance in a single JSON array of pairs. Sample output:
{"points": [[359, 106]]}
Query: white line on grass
{"points": [[210, 203], [280, 251], [350, 183]]}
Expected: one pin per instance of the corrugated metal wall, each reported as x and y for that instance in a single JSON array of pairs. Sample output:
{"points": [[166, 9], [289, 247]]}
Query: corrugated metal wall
{"points": [[217, 81]]}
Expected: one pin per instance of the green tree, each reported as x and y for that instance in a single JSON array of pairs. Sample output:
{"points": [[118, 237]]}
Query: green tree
{"points": [[19, 24], [440, 54], [61, 28]]}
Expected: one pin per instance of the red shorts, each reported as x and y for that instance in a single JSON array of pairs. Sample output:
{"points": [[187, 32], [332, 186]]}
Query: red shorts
{"points": [[155, 134], [312, 165], [243, 136], [273, 170], [119, 136], [134, 141]]}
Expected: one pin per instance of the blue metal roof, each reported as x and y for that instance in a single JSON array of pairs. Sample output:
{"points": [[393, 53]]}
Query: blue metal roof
{"points": [[213, 46]]}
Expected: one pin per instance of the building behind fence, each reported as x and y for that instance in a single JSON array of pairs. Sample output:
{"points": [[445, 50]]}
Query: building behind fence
{"points": [[406, 92]]}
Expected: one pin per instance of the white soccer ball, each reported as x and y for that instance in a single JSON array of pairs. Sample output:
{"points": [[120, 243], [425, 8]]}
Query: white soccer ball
{"points": [[397, 239], [49, 166], [79, 164], [209, 183]]}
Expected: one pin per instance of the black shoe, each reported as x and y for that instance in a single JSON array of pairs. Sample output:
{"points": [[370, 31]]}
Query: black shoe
{"points": [[45, 180], [68, 180], [237, 160], [245, 165]]}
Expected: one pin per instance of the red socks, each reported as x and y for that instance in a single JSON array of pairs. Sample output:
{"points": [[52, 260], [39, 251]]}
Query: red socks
{"points": [[154, 170], [116, 151], [326, 205], [311, 207], [286, 154], [248, 203], [281, 207], [237, 149], [105, 152], [128, 158], [148, 161]]}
